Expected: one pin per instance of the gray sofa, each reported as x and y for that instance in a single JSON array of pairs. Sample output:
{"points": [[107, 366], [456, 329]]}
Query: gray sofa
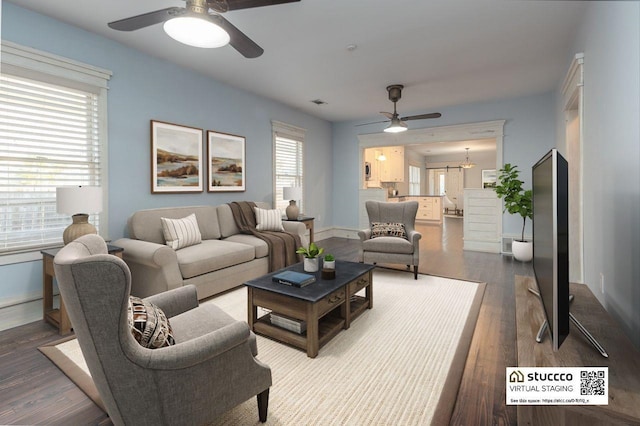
{"points": [[225, 259]]}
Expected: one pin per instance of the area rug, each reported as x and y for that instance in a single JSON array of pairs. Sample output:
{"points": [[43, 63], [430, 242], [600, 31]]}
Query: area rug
{"points": [[399, 363]]}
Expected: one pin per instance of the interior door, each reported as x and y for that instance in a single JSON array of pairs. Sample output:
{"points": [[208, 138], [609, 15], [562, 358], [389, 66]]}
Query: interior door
{"points": [[454, 185]]}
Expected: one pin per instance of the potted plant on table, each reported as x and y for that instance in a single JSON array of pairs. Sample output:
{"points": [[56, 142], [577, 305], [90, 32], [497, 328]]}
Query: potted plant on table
{"points": [[329, 262], [517, 200], [311, 253]]}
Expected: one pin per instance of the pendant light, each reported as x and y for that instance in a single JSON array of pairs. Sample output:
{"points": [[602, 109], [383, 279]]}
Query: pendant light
{"points": [[467, 164]]}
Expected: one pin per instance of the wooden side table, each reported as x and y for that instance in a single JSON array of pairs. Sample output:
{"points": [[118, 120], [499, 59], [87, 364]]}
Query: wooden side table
{"points": [[58, 317], [308, 223]]}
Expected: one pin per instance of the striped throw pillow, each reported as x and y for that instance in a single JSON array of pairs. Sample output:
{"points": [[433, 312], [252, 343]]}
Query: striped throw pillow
{"points": [[268, 220], [180, 233]]}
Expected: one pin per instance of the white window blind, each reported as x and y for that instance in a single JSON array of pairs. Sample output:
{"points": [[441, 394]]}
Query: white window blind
{"points": [[50, 136], [288, 161], [414, 180]]}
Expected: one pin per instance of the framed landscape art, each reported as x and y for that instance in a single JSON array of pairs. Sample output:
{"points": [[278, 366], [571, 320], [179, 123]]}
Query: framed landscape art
{"points": [[176, 158], [225, 162]]}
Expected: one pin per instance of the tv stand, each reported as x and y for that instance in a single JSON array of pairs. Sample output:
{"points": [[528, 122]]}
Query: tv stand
{"points": [[623, 361], [545, 327]]}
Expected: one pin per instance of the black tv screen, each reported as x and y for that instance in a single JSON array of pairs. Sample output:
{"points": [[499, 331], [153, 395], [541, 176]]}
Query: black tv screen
{"points": [[551, 241]]}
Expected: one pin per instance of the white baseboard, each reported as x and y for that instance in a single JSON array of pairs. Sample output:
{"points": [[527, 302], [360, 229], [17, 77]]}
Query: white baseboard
{"points": [[323, 234], [23, 298]]}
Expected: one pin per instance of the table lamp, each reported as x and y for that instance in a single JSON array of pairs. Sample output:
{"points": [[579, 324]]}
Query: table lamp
{"points": [[78, 201], [292, 193]]}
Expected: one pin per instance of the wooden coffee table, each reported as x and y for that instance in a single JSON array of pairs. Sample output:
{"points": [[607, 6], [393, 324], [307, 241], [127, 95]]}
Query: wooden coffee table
{"points": [[327, 306]]}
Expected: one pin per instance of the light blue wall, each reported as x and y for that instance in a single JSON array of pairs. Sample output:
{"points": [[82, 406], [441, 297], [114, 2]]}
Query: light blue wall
{"points": [[144, 88], [529, 133], [610, 40]]}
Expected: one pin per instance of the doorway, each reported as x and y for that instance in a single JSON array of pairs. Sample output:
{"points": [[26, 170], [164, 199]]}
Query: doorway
{"points": [[445, 134]]}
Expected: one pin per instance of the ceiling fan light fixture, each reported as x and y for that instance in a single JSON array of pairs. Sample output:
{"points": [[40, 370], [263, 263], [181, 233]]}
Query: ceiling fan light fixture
{"points": [[396, 126], [197, 32]]}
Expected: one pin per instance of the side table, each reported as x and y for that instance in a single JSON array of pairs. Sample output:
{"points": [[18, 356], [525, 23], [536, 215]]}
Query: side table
{"points": [[58, 317], [308, 223]]}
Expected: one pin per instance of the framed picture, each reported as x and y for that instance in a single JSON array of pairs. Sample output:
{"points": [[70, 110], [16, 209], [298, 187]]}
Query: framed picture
{"points": [[225, 160], [489, 178], [176, 158]]}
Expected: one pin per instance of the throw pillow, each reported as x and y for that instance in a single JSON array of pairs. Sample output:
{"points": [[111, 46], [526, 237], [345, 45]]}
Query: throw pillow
{"points": [[180, 233], [388, 229], [149, 325], [268, 220]]}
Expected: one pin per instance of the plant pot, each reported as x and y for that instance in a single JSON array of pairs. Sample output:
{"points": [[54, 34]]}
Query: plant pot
{"points": [[522, 250], [311, 264], [329, 264]]}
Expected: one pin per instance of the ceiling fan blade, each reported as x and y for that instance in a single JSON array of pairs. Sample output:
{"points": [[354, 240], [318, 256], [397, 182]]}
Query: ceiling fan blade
{"points": [[146, 19], [239, 40], [245, 4], [375, 122], [387, 114], [422, 116]]}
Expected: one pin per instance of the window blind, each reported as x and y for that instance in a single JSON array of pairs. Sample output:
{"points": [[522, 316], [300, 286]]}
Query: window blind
{"points": [[288, 169], [49, 137]]}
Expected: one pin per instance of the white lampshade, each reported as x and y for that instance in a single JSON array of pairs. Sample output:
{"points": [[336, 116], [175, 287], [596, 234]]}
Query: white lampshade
{"points": [[291, 193], [79, 199], [196, 32]]}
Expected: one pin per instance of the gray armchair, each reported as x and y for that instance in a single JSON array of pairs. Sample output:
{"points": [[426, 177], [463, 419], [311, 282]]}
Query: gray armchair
{"points": [[391, 249], [211, 368]]}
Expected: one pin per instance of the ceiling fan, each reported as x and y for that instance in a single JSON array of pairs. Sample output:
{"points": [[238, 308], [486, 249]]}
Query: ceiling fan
{"points": [[200, 24], [398, 123]]}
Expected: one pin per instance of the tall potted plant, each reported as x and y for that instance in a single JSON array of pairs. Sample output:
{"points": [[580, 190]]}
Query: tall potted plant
{"points": [[516, 201]]}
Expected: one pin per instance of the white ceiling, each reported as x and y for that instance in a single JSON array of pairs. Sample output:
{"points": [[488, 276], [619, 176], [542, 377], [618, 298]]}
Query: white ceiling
{"points": [[445, 52]]}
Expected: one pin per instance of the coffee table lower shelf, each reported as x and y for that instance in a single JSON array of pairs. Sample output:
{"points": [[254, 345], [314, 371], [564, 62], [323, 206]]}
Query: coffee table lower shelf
{"points": [[328, 327]]}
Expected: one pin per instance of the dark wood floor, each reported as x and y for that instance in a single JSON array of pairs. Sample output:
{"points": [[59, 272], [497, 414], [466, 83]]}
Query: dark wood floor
{"points": [[34, 391]]}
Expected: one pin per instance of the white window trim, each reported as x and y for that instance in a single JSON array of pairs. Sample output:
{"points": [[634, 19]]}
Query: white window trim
{"points": [[35, 64]]}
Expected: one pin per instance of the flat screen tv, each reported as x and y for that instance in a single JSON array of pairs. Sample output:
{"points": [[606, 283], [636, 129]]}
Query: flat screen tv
{"points": [[551, 241]]}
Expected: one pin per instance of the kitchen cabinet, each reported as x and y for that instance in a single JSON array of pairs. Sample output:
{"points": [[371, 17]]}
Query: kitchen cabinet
{"points": [[429, 208], [392, 169]]}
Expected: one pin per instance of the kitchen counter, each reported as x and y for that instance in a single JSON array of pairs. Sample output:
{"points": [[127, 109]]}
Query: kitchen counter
{"points": [[429, 206], [400, 197]]}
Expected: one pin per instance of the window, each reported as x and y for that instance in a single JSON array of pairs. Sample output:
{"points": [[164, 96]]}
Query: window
{"points": [[414, 180], [288, 162], [51, 134]]}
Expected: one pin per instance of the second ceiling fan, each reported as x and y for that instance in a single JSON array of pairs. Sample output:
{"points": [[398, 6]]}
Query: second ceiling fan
{"points": [[398, 123], [200, 24]]}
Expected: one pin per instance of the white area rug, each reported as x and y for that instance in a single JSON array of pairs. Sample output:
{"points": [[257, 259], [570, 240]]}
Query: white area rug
{"points": [[399, 363]]}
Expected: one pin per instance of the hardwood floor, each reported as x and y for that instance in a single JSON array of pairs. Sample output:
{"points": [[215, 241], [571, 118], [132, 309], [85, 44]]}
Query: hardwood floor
{"points": [[34, 391]]}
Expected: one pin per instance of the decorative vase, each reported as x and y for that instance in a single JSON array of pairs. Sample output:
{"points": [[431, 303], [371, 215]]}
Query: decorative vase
{"points": [[311, 264], [522, 250], [292, 210], [78, 228]]}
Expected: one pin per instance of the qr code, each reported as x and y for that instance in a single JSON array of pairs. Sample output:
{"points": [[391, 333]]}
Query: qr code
{"points": [[592, 382]]}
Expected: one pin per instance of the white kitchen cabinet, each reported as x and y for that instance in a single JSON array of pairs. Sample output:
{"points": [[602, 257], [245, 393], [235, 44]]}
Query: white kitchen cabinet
{"points": [[429, 208], [392, 169]]}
